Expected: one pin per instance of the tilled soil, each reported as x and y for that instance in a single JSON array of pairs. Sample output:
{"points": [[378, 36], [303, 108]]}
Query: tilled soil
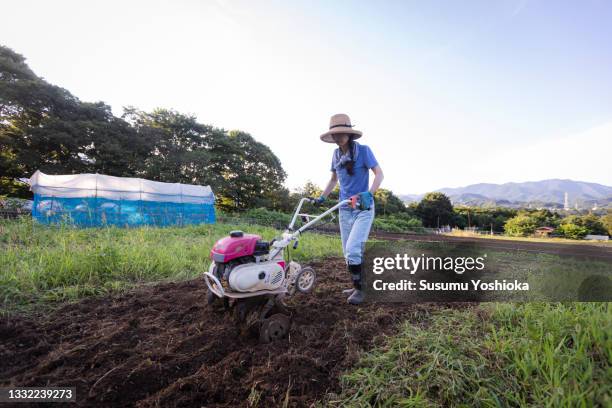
{"points": [[164, 346]]}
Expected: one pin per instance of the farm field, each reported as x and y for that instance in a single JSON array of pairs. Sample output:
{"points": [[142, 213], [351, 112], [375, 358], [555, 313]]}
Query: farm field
{"points": [[132, 328]]}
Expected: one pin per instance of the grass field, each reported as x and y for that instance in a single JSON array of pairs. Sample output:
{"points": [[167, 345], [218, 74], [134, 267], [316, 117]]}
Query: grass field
{"points": [[40, 263], [496, 355]]}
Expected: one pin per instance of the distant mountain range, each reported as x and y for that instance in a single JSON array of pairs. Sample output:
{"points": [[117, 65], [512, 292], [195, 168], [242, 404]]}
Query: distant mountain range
{"points": [[545, 193]]}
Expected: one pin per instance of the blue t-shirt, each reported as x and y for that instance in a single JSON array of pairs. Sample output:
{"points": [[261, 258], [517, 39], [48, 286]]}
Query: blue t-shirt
{"points": [[360, 180]]}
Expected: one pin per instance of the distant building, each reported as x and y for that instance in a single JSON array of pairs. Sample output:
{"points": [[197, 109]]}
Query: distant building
{"points": [[566, 205], [543, 231]]}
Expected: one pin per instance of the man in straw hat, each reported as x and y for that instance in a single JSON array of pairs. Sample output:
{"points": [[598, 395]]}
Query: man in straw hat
{"points": [[350, 166]]}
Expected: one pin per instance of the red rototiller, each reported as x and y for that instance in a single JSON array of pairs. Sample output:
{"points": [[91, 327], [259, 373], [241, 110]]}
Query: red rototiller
{"points": [[253, 276]]}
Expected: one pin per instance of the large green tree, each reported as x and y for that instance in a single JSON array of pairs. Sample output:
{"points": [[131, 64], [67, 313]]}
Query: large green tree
{"points": [[251, 170], [177, 151], [591, 223], [387, 202], [544, 218], [44, 127], [435, 210], [242, 172], [572, 231], [521, 226]]}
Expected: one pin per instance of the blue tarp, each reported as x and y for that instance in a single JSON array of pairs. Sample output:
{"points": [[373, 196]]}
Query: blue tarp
{"points": [[94, 212], [59, 200]]}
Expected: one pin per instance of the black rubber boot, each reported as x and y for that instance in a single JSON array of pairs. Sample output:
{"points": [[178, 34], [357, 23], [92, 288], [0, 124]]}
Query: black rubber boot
{"points": [[357, 294], [350, 291]]}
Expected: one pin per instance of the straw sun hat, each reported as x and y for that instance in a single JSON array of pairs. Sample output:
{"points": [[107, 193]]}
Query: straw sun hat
{"points": [[340, 123]]}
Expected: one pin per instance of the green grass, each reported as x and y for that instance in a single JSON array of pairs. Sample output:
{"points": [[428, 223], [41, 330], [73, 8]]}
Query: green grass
{"points": [[495, 355], [41, 263]]}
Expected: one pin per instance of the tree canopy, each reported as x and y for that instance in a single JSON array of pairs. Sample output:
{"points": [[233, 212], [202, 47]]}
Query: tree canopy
{"points": [[521, 226], [387, 202], [45, 127], [435, 210]]}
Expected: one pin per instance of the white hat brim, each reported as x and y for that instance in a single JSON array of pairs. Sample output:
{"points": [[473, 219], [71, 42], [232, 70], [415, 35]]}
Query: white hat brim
{"points": [[327, 136]]}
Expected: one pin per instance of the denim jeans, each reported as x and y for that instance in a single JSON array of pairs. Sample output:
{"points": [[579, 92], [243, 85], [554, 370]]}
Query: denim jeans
{"points": [[355, 227]]}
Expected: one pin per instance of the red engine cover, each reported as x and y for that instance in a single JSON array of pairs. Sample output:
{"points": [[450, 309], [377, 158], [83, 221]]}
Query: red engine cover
{"points": [[229, 248]]}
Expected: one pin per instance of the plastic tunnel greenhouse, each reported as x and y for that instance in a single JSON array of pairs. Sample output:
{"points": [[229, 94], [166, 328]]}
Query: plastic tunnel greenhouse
{"points": [[92, 200]]}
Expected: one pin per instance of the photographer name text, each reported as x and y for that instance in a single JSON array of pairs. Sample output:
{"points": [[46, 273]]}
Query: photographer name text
{"points": [[474, 284]]}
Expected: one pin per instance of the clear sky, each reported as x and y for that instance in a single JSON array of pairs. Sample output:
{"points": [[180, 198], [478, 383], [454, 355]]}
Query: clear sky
{"points": [[447, 93]]}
